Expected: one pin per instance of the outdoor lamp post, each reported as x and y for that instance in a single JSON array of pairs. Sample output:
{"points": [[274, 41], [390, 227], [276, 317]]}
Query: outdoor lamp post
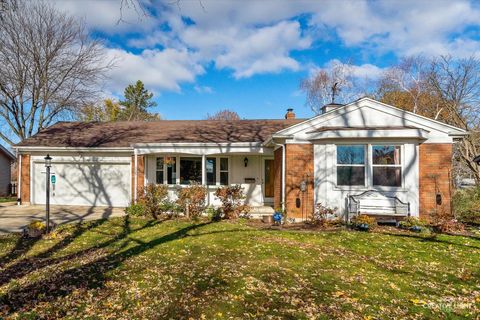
{"points": [[48, 165]]}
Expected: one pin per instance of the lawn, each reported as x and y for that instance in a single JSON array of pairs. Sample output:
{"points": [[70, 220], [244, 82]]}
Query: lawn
{"points": [[127, 268], [7, 199]]}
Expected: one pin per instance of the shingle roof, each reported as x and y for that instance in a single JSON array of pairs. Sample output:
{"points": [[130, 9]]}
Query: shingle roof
{"points": [[124, 134]]}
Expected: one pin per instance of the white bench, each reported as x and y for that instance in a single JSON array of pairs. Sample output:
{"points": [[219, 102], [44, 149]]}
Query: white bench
{"points": [[374, 203]]}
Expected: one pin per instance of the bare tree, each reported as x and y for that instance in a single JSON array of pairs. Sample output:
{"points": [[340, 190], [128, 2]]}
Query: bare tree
{"points": [[409, 76], [334, 84], [223, 115], [49, 68], [456, 82]]}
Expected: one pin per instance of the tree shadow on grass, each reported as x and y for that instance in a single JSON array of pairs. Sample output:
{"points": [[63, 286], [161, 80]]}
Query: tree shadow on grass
{"points": [[25, 266], [87, 276], [434, 239]]}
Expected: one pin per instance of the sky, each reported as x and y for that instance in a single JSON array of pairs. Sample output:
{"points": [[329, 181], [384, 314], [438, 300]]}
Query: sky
{"points": [[201, 56]]}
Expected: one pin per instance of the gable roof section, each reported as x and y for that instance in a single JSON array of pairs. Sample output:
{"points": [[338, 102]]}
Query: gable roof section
{"points": [[7, 152], [419, 121], [126, 134]]}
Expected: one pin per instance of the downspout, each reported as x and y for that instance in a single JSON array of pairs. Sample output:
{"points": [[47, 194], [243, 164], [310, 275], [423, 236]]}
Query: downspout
{"points": [[283, 174], [135, 182], [19, 178]]}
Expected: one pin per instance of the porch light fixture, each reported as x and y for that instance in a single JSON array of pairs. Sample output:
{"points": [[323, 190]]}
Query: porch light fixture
{"points": [[245, 161], [48, 161]]}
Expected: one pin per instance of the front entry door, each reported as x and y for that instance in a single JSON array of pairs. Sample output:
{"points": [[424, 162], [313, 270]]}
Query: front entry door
{"points": [[268, 179]]}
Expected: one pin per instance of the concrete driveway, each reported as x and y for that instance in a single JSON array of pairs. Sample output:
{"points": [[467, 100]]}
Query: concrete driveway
{"points": [[14, 218]]}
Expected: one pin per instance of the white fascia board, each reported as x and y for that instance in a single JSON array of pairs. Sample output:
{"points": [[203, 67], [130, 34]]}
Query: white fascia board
{"points": [[365, 134], [422, 121], [7, 152], [73, 149], [204, 148]]}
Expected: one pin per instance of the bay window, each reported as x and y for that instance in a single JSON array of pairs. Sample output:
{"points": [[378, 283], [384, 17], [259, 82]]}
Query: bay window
{"points": [[369, 165]]}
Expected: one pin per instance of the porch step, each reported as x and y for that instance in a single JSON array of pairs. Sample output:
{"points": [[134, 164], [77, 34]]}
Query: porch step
{"points": [[258, 211]]}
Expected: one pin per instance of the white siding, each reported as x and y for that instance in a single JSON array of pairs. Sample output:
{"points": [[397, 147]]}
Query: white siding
{"points": [[329, 194]]}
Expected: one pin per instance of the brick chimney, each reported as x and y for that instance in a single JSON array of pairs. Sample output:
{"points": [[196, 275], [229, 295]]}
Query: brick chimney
{"points": [[290, 114]]}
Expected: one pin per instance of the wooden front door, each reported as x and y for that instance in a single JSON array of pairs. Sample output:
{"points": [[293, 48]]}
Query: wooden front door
{"points": [[268, 178]]}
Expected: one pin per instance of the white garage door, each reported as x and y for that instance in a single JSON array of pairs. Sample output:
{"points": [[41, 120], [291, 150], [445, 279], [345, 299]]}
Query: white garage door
{"points": [[84, 184]]}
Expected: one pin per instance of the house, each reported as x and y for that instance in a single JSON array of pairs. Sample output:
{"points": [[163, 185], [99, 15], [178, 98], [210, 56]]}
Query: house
{"points": [[294, 163], [6, 161]]}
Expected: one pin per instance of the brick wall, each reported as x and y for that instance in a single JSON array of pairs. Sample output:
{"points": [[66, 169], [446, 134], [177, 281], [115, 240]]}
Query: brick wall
{"points": [[299, 165], [140, 174], [435, 168], [25, 179], [277, 187]]}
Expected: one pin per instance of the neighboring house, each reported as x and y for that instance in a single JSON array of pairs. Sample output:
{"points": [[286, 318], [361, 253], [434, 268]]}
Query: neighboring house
{"points": [[297, 163], [6, 161]]}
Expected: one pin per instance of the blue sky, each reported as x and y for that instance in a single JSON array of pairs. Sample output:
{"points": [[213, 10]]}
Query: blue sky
{"points": [[249, 56]]}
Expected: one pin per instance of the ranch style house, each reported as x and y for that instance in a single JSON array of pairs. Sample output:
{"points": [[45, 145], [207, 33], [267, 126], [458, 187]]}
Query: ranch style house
{"points": [[361, 157]]}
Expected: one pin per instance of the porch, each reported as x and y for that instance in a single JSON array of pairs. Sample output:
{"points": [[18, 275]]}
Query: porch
{"points": [[250, 166]]}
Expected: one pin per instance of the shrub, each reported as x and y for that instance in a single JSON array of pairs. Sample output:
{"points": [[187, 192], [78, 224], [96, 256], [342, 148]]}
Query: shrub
{"points": [[322, 215], [152, 197], [191, 199], [361, 220], [136, 210], [409, 222], [169, 207], [441, 220], [214, 214], [466, 205], [36, 225], [232, 199]]}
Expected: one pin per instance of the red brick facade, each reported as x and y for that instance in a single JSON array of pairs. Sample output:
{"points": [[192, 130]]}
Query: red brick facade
{"points": [[299, 165], [25, 179], [435, 167], [140, 174]]}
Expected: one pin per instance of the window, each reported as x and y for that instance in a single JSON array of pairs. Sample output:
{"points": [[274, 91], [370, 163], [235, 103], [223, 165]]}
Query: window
{"points": [[190, 170], [350, 165], [211, 171], [387, 167], [224, 171], [171, 164], [160, 170]]}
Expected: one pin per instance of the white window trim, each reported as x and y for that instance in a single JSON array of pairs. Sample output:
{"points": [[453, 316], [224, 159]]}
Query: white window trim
{"points": [[177, 168], [364, 165], [369, 167]]}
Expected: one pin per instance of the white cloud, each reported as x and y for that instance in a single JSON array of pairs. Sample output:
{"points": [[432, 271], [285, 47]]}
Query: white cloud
{"points": [[158, 69], [203, 89], [257, 37]]}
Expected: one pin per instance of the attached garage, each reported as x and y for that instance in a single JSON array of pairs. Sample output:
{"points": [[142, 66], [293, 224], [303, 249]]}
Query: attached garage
{"points": [[84, 182]]}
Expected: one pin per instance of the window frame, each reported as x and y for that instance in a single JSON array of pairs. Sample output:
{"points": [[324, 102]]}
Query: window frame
{"points": [[369, 166], [364, 165], [177, 169], [387, 165]]}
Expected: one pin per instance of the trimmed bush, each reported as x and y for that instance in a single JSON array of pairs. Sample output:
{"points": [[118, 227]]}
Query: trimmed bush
{"points": [[363, 222], [191, 200], [232, 199], [152, 197], [323, 215], [136, 210]]}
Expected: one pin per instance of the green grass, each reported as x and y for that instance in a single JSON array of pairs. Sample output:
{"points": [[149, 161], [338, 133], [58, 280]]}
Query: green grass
{"points": [[7, 199], [128, 268]]}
